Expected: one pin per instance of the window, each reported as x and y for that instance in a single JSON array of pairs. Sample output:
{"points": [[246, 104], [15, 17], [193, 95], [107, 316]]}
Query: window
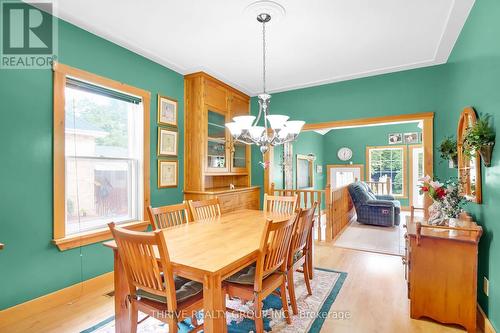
{"points": [[388, 163], [101, 156]]}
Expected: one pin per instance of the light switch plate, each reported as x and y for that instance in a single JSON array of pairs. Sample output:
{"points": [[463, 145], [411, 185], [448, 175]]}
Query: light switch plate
{"points": [[486, 286]]}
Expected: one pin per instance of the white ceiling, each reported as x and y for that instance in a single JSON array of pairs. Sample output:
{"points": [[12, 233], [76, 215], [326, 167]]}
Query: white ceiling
{"points": [[316, 42]]}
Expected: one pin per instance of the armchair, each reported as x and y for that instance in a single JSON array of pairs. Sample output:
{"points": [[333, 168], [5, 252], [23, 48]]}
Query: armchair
{"points": [[382, 210]]}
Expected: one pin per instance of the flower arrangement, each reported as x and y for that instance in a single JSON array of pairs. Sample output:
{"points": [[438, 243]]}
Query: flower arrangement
{"points": [[433, 188], [447, 197]]}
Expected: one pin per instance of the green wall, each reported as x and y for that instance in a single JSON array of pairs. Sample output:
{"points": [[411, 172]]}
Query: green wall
{"points": [[471, 77], [364, 137], [30, 265], [308, 143]]}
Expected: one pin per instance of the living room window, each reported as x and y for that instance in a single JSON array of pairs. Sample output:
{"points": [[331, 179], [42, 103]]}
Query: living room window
{"points": [[388, 162], [101, 155]]}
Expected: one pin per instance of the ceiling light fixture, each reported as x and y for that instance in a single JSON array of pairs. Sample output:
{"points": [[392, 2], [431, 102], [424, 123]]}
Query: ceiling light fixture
{"points": [[275, 129]]}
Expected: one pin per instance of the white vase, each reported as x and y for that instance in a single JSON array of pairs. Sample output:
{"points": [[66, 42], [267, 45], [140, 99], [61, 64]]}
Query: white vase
{"points": [[436, 215]]}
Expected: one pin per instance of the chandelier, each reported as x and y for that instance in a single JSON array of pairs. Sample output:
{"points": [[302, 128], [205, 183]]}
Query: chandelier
{"points": [[275, 129]]}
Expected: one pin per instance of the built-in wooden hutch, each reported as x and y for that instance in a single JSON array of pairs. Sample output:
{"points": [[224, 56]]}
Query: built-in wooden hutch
{"points": [[213, 161]]}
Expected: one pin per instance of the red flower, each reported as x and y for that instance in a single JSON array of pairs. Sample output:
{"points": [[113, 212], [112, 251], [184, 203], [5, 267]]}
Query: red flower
{"points": [[425, 189], [440, 192]]}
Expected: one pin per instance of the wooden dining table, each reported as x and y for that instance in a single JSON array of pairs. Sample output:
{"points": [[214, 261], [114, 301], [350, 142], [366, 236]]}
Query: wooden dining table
{"points": [[207, 251]]}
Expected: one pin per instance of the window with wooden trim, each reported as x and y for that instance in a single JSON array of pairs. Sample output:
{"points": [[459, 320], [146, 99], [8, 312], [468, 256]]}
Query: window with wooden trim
{"points": [[101, 156], [385, 163]]}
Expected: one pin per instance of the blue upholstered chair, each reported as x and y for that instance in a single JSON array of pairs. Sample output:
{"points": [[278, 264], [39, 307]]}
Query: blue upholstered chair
{"points": [[382, 210]]}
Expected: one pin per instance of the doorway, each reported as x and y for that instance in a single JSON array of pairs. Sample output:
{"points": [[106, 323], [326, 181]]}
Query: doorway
{"points": [[416, 167], [343, 175]]}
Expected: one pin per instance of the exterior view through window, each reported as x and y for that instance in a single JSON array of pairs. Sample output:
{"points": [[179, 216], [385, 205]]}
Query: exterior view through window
{"points": [[103, 157], [388, 163]]}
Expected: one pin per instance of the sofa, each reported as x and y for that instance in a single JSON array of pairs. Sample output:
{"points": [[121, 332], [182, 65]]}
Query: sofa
{"points": [[381, 210]]}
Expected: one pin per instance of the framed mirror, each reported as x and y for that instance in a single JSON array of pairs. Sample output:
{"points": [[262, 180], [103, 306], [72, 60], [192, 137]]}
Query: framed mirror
{"points": [[469, 168], [305, 171]]}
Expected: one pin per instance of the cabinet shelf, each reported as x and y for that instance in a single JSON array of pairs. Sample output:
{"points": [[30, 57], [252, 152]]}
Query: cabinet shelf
{"points": [[217, 125], [219, 140]]}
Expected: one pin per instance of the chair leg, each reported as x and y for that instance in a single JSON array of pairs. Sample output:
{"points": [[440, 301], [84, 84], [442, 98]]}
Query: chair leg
{"points": [[284, 302], [291, 291], [134, 316], [194, 320], [172, 325], [259, 322], [307, 274]]}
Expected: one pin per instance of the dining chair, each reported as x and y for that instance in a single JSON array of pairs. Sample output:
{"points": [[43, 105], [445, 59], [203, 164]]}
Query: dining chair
{"points": [[298, 255], [168, 216], [154, 290], [204, 209], [256, 282], [280, 204]]}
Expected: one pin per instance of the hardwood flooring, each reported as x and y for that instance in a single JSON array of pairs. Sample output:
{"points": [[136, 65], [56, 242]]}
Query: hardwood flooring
{"points": [[373, 297]]}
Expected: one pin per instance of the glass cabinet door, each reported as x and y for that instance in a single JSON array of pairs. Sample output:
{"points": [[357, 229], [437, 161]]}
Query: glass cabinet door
{"points": [[216, 149], [239, 157]]}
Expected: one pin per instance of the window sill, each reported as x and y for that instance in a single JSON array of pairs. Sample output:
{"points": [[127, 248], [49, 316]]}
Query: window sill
{"points": [[94, 236]]}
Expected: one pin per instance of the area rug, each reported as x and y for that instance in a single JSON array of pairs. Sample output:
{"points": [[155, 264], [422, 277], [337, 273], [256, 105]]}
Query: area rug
{"points": [[313, 309], [371, 238]]}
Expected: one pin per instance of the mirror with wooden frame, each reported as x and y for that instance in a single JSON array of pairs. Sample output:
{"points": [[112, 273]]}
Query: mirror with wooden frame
{"points": [[305, 171], [469, 168]]}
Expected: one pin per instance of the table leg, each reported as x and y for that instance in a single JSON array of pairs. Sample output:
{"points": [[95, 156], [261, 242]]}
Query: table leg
{"points": [[214, 305], [122, 319]]}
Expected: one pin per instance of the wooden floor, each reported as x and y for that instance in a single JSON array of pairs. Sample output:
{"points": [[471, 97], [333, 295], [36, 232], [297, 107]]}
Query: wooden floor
{"points": [[374, 296]]}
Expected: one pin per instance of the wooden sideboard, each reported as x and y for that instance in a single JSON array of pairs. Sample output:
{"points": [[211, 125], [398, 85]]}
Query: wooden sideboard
{"points": [[230, 200], [216, 165], [441, 271]]}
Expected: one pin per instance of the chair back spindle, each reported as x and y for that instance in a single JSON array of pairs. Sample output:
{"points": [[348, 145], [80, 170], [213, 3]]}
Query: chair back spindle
{"points": [[168, 216], [139, 253], [274, 246], [280, 204], [204, 209], [302, 230]]}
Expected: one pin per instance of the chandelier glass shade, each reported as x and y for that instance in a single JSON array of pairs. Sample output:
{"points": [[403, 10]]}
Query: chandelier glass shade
{"points": [[273, 129]]}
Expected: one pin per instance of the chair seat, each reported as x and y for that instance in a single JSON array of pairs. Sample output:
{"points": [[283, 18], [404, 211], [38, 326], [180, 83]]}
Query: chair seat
{"points": [[271, 280], [297, 256], [184, 289], [244, 276]]}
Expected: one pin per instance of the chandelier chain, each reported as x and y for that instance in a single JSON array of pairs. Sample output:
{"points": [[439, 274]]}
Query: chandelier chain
{"points": [[264, 56]]}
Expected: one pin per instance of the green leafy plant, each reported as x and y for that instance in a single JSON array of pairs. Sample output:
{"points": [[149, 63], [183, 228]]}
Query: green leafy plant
{"points": [[448, 148], [479, 135]]}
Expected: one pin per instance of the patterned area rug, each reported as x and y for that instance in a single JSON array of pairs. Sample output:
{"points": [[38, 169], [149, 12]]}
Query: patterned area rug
{"points": [[312, 309]]}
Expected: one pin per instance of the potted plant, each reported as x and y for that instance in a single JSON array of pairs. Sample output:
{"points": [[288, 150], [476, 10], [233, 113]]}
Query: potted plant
{"points": [[480, 138], [449, 152]]}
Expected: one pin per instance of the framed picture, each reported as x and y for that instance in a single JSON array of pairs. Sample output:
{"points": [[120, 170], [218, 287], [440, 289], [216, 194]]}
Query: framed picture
{"points": [[167, 111], [395, 138], [167, 173], [411, 138], [167, 142]]}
